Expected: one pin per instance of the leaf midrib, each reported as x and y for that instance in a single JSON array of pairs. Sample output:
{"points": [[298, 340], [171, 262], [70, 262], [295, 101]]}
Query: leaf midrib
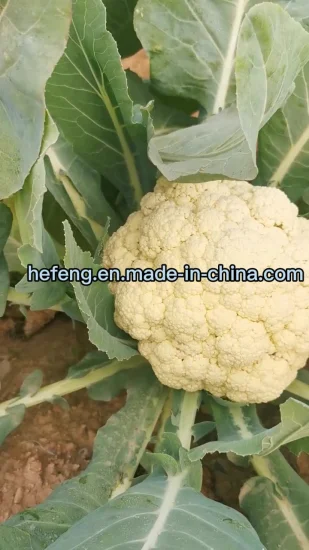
{"points": [[102, 94]]}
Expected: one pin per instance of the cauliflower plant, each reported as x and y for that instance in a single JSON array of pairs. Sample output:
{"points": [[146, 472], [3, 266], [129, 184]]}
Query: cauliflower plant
{"points": [[240, 340]]}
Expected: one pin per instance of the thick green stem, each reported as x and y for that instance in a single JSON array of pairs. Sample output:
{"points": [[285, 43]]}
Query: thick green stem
{"points": [[190, 405], [25, 300], [68, 385], [300, 389], [262, 468]]}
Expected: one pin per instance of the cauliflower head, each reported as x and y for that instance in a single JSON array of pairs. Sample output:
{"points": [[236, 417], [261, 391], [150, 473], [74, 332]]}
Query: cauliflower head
{"points": [[240, 340]]}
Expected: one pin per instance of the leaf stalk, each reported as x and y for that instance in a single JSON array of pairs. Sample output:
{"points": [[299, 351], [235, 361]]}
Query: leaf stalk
{"points": [[67, 386]]}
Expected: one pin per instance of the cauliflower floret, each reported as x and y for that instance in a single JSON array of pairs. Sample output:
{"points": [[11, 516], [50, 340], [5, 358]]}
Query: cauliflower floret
{"points": [[240, 340]]}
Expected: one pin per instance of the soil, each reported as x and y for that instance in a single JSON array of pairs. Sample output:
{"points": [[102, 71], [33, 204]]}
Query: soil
{"points": [[51, 445]]}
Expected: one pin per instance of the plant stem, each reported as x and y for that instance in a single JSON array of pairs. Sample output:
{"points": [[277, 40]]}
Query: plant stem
{"points": [[190, 405], [165, 415], [261, 466], [127, 153], [25, 300], [66, 386], [300, 389]]}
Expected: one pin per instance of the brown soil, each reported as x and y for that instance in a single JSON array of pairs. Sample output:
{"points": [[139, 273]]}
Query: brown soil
{"points": [[52, 444], [138, 63]]}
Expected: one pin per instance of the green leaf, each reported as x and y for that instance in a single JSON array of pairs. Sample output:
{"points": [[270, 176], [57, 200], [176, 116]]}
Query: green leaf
{"points": [[154, 460], [120, 23], [45, 294], [298, 9], [53, 218], [303, 376], [31, 42], [117, 451], [28, 202], [96, 304], [32, 383], [283, 155], [214, 147], [72, 204], [240, 432], [160, 513], [71, 309], [17, 539], [265, 69], [86, 181], [272, 49], [107, 389], [277, 504], [200, 430], [11, 255], [88, 98], [203, 35], [77, 189], [299, 446], [60, 402], [171, 458], [12, 419], [92, 360], [98, 255], [165, 118]]}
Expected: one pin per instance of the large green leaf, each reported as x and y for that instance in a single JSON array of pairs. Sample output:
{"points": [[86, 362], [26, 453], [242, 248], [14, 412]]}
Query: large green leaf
{"points": [[161, 513], [266, 67], [216, 146], [277, 504], [272, 49], [203, 35], [119, 21], [117, 452], [240, 431], [28, 202], [88, 98], [32, 39], [96, 304], [283, 157]]}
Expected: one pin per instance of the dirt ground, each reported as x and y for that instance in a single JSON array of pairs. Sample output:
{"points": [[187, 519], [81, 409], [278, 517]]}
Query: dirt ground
{"points": [[52, 444]]}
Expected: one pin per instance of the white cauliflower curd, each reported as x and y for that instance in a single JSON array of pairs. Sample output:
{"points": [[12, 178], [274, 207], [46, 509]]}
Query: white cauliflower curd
{"points": [[240, 340]]}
